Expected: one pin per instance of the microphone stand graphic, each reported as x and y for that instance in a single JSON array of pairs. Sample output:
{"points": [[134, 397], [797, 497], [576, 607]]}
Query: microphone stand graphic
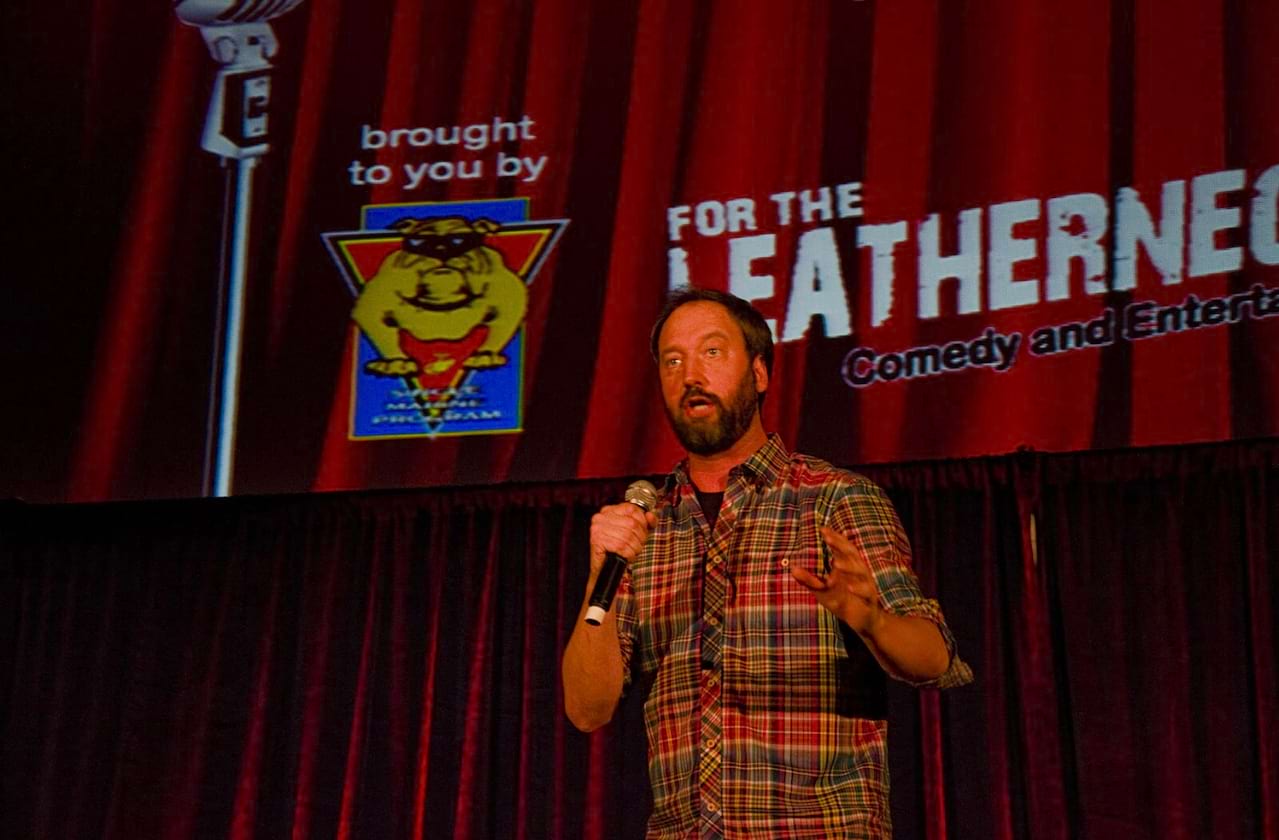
{"points": [[236, 130]]}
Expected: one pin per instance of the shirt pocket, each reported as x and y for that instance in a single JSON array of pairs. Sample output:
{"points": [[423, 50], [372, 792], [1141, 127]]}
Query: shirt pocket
{"points": [[783, 645]]}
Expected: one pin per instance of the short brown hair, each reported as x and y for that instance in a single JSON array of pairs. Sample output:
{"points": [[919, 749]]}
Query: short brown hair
{"points": [[759, 339]]}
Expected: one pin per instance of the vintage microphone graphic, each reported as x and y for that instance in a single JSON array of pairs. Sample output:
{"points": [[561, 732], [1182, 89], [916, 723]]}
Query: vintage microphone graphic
{"points": [[235, 129]]}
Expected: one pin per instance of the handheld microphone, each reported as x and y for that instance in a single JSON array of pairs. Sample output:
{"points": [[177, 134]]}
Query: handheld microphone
{"points": [[643, 495]]}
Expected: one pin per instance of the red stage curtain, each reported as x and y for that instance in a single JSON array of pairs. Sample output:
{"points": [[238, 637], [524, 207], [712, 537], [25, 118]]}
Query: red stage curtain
{"points": [[386, 665]]}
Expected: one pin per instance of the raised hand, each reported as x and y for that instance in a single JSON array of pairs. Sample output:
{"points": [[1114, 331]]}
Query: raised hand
{"points": [[849, 591]]}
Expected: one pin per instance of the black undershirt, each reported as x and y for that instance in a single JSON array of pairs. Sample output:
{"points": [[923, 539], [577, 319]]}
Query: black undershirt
{"points": [[710, 503]]}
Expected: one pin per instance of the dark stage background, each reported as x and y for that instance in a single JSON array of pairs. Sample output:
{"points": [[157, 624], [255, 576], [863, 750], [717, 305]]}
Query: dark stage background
{"points": [[386, 665]]}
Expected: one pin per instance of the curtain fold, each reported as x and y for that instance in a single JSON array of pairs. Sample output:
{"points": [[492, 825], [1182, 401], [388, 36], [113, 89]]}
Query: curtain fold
{"points": [[387, 665], [1164, 589]]}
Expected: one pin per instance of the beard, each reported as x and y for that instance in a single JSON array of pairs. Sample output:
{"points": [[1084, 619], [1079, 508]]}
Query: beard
{"points": [[724, 427]]}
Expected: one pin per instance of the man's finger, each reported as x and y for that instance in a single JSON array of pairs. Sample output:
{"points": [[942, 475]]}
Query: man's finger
{"points": [[630, 512], [854, 581], [845, 550], [808, 580], [620, 535], [839, 542]]}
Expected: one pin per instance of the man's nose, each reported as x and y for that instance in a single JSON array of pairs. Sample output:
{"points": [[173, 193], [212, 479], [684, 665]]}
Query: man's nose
{"points": [[694, 373]]}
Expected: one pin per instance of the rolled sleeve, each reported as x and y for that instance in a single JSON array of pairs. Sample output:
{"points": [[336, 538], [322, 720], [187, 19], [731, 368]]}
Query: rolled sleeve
{"points": [[862, 511]]}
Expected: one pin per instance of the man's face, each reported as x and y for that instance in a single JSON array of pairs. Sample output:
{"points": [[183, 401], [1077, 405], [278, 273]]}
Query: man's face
{"points": [[710, 385]]}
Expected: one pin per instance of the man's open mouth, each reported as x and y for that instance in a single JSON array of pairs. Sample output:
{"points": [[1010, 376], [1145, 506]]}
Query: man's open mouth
{"points": [[698, 405]]}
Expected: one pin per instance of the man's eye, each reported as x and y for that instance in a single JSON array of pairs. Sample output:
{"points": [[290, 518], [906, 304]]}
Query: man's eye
{"points": [[712, 351], [672, 362]]}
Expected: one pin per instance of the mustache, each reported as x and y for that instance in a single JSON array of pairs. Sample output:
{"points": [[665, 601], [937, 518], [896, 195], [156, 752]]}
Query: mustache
{"points": [[694, 392]]}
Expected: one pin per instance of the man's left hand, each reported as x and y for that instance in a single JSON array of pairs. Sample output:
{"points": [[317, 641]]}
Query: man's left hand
{"points": [[849, 591]]}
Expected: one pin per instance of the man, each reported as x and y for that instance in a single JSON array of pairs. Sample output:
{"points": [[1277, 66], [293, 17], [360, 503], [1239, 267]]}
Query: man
{"points": [[765, 599]]}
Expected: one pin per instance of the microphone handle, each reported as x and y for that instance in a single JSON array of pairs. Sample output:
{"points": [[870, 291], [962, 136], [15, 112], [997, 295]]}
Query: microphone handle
{"points": [[605, 588]]}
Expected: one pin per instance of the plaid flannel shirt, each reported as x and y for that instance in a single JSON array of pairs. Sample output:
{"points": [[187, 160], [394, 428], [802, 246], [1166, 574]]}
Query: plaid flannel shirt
{"points": [[800, 701]]}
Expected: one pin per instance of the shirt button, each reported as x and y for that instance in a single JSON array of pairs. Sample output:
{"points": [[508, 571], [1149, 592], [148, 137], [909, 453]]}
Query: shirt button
{"points": [[712, 620], [712, 680], [785, 562]]}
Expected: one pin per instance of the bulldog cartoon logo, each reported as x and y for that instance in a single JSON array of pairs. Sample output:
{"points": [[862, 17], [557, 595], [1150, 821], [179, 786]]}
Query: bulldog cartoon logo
{"points": [[441, 292], [441, 301]]}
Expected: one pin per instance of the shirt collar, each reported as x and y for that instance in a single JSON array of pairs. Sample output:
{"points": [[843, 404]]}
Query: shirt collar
{"points": [[761, 469]]}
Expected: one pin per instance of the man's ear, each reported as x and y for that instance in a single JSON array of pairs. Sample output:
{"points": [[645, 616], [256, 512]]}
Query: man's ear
{"points": [[761, 374]]}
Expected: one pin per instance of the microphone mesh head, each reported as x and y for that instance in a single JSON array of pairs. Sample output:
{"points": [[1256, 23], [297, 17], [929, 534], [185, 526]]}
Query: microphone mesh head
{"points": [[642, 494], [256, 10], [227, 12]]}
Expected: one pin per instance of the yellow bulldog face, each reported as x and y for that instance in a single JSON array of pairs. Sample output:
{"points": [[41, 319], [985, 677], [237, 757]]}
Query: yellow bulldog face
{"points": [[441, 302]]}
